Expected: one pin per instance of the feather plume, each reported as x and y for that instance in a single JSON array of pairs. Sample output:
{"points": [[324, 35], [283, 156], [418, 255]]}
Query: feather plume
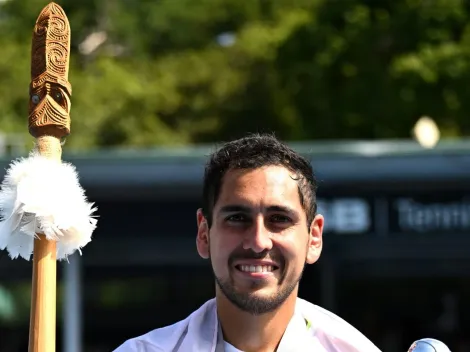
{"points": [[40, 195]]}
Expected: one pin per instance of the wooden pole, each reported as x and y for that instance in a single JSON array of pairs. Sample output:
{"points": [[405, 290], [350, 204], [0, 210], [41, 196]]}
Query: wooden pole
{"points": [[42, 328], [49, 122]]}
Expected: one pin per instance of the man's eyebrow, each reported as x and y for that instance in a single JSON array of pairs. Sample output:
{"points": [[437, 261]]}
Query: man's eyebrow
{"points": [[282, 209], [234, 208]]}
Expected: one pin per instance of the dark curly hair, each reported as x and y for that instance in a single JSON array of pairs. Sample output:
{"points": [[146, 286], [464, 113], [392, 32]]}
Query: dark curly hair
{"points": [[252, 152]]}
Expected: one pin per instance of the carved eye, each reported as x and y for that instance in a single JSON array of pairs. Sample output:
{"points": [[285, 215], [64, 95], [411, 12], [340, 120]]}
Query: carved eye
{"points": [[58, 96], [35, 99]]}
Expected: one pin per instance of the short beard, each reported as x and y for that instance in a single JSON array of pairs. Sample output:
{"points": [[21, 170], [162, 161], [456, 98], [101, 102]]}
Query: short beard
{"points": [[250, 302]]}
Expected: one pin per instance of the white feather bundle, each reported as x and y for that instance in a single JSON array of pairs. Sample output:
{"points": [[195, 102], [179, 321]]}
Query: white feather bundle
{"points": [[40, 195]]}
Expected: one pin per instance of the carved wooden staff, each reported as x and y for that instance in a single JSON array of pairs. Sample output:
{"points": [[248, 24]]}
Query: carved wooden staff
{"points": [[49, 121], [43, 207]]}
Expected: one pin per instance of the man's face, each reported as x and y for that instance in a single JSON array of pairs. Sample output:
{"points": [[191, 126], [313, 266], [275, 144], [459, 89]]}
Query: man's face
{"points": [[259, 241]]}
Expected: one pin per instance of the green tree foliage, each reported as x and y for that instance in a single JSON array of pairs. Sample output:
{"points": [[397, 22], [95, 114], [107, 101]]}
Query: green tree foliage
{"points": [[307, 69]]}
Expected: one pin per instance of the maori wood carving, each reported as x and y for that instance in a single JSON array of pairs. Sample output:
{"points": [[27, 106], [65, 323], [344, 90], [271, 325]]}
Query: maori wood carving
{"points": [[50, 90]]}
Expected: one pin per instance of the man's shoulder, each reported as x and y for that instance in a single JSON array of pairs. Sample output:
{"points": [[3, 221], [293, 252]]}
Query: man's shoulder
{"points": [[165, 338], [155, 340], [327, 326]]}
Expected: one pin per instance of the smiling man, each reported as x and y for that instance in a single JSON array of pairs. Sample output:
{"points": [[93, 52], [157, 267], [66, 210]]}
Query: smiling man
{"points": [[259, 227]]}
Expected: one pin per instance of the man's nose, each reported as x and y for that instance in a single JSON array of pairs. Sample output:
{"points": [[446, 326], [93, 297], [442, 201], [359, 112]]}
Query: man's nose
{"points": [[258, 238]]}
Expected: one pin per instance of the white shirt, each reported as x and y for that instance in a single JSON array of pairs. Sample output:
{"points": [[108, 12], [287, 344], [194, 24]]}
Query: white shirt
{"points": [[311, 329]]}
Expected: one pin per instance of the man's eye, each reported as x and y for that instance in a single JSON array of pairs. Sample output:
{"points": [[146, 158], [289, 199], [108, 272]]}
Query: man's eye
{"points": [[280, 218], [237, 218]]}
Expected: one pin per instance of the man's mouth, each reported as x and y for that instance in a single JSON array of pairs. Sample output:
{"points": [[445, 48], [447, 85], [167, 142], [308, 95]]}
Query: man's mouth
{"points": [[256, 268]]}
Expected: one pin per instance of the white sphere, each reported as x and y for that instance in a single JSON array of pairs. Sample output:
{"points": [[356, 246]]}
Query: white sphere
{"points": [[428, 345]]}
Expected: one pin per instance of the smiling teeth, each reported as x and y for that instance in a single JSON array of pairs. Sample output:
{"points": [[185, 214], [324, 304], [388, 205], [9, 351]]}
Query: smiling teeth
{"points": [[256, 268]]}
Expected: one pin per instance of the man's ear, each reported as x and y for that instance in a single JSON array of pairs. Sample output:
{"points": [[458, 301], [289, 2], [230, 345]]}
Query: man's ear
{"points": [[315, 243], [202, 239]]}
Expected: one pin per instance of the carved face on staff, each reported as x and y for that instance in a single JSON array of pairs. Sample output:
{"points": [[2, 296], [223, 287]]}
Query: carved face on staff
{"points": [[50, 90]]}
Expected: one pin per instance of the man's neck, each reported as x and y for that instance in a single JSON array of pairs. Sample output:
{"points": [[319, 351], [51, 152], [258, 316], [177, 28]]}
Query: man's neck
{"points": [[247, 332]]}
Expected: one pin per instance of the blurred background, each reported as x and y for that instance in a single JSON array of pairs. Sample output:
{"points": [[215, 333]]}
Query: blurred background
{"points": [[374, 92]]}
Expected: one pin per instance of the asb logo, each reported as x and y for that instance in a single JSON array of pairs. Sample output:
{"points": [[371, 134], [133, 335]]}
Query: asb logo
{"points": [[345, 215]]}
